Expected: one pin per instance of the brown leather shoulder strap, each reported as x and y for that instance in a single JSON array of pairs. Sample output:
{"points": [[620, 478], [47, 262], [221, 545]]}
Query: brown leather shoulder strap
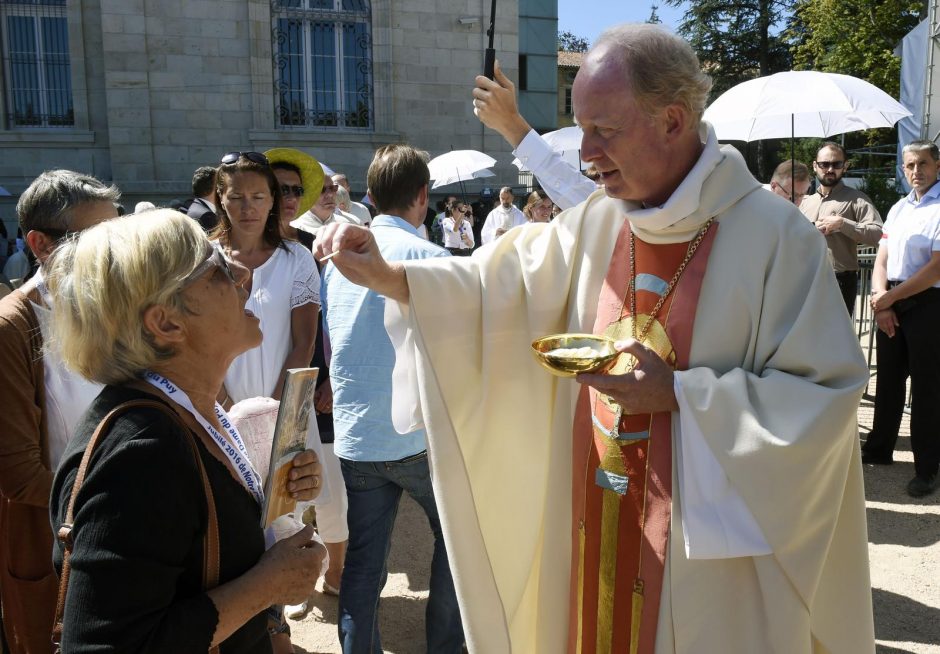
{"points": [[210, 574]]}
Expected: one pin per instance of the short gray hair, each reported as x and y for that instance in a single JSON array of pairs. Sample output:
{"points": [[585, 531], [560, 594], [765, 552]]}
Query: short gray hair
{"points": [[661, 68], [790, 169], [342, 198], [920, 146], [49, 200], [104, 279]]}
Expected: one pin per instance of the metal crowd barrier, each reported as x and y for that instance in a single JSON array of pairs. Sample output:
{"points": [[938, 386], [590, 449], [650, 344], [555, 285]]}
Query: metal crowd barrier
{"points": [[864, 318]]}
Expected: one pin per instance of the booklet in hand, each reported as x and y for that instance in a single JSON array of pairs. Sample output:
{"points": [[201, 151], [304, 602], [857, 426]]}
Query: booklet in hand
{"points": [[290, 437]]}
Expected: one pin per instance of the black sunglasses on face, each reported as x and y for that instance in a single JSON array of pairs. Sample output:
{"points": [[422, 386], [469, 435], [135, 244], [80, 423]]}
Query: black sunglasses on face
{"points": [[288, 190], [232, 157], [835, 165]]}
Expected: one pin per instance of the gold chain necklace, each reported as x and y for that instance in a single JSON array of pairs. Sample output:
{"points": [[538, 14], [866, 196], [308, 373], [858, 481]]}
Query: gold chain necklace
{"points": [[693, 246]]}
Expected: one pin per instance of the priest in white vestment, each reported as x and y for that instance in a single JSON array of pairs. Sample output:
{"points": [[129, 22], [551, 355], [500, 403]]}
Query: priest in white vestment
{"points": [[763, 547]]}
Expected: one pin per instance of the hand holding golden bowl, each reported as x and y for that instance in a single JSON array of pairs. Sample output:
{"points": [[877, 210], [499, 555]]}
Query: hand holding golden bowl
{"points": [[566, 355]]}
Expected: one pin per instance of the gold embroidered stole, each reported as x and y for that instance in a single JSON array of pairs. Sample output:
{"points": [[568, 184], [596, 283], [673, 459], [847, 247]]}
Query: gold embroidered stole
{"points": [[622, 471]]}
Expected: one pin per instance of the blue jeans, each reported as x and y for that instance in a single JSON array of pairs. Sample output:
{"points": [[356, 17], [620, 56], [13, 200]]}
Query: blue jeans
{"points": [[374, 490]]}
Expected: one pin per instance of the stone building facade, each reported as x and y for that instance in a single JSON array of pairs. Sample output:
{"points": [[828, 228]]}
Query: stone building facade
{"points": [[157, 88], [568, 65]]}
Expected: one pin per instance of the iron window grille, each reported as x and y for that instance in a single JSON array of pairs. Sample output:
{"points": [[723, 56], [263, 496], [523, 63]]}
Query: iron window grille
{"points": [[323, 64], [36, 64]]}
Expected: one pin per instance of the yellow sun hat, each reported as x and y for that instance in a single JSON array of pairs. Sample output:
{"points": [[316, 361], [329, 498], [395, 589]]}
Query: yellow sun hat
{"points": [[311, 174]]}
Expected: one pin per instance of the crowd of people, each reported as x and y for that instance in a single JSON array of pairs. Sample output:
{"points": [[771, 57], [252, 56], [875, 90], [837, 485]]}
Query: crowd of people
{"points": [[704, 494]]}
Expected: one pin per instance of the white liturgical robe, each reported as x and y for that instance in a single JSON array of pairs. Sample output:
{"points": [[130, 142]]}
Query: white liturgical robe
{"points": [[773, 385]]}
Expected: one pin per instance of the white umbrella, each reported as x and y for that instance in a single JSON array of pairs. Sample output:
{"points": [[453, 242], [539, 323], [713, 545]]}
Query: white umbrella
{"points": [[566, 141], [801, 103], [455, 178], [459, 166]]}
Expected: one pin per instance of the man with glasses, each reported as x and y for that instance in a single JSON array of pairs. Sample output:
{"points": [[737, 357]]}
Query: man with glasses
{"points": [[42, 402], [324, 211], [790, 181], [845, 216]]}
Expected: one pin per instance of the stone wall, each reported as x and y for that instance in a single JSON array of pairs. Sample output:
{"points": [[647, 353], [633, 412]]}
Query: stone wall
{"points": [[162, 87]]}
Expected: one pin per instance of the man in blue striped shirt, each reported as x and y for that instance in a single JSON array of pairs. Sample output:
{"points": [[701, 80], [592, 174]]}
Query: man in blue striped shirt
{"points": [[379, 463]]}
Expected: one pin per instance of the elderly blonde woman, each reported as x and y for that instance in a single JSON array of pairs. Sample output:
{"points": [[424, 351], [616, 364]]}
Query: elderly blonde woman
{"points": [[153, 311]]}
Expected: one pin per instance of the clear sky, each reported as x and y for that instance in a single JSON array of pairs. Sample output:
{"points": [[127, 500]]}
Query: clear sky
{"points": [[588, 18]]}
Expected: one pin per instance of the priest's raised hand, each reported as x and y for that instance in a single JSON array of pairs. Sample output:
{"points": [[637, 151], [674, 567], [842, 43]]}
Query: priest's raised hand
{"points": [[355, 253]]}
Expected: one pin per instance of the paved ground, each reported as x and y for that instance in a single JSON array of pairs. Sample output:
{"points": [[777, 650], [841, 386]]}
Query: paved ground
{"points": [[904, 546]]}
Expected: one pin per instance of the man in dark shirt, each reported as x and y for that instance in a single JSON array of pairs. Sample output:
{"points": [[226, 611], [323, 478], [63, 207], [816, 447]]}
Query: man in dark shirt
{"points": [[202, 208]]}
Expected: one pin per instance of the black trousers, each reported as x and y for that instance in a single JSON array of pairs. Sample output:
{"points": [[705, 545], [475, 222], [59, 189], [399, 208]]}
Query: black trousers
{"points": [[460, 252], [915, 352], [848, 284]]}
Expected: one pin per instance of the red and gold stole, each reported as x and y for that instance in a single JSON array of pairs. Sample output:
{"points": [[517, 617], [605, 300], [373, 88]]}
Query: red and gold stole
{"points": [[622, 474]]}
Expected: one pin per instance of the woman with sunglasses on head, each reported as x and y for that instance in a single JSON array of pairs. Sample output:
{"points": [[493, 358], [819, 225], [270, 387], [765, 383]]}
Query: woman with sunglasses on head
{"points": [[297, 173], [166, 553], [284, 291]]}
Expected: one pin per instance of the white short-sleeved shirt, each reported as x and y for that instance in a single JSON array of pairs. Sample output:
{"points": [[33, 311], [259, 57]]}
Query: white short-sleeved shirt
{"points": [[912, 234], [287, 280], [451, 238], [68, 394]]}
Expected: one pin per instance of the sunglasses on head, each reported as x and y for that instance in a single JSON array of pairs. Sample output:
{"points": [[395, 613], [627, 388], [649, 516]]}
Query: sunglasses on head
{"points": [[232, 157], [288, 190]]}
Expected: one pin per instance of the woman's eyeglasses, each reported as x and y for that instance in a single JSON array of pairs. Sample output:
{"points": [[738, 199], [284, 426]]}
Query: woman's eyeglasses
{"points": [[232, 157], [288, 190], [215, 258]]}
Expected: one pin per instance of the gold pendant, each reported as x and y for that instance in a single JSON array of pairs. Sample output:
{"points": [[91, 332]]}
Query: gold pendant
{"points": [[656, 339]]}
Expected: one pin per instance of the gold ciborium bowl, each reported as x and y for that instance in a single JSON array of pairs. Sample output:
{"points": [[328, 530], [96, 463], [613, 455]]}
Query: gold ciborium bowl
{"points": [[559, 354]]}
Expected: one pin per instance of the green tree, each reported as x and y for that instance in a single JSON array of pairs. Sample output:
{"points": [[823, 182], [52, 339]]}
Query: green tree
{"points": [[854, 37], [654, 18], [569, 42], [858, 38], [737, 40], [882, 191]]}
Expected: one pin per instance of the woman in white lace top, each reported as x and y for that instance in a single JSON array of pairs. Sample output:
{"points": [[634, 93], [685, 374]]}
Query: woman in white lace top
{"points": [[285, 284]]}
